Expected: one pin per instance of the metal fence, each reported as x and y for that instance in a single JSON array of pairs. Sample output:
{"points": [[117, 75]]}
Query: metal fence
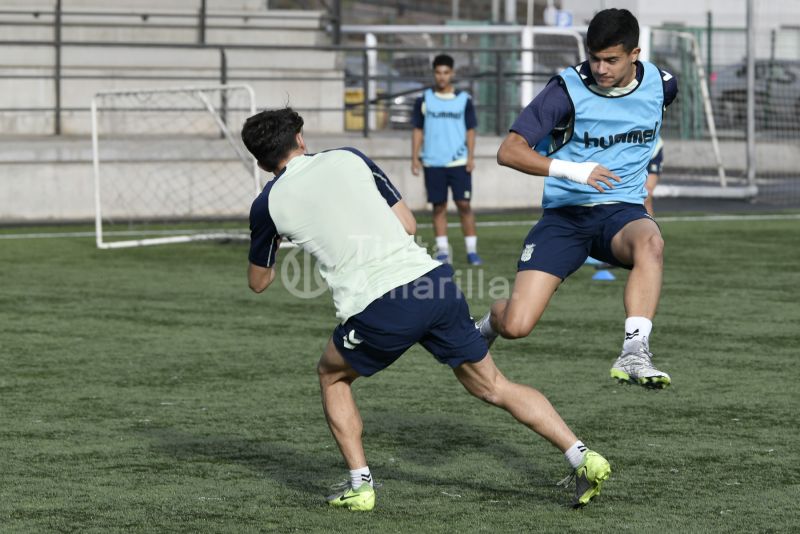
{"points": [[502, 67], [379, 82], [776, 110]]}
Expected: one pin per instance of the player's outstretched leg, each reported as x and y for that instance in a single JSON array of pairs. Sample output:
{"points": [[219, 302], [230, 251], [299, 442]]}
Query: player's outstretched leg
{"points": [[528, 406], [344, 420]]}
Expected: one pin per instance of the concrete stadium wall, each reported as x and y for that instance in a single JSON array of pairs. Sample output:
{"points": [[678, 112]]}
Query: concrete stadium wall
{"points": [[49, 179], [271, 28], [123, 5], [133, 68], [27, 89]]}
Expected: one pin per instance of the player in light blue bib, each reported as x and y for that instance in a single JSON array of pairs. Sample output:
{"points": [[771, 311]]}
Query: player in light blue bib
{"points": [[593, 130], [443, 140]]}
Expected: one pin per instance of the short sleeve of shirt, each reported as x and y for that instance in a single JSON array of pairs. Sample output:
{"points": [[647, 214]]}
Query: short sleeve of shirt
{"points": [[469, 115], [264, 236], [385, 187], [547, 110], [417, 118], [670, 87]]}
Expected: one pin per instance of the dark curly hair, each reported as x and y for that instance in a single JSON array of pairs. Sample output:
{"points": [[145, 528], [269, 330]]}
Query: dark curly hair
{"points": [[270, 135], [443, 60], [612, 27]]}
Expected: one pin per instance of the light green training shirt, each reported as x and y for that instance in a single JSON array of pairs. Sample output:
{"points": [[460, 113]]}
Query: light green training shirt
{"points": [[330, 204]]}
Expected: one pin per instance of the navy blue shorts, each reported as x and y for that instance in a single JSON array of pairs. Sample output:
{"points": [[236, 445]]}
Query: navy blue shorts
{"points": [[431, 310], [564, 237], [654, 167], [439, 179]]}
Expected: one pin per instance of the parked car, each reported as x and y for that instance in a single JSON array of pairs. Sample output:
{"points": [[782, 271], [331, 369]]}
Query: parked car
{"points": [[777, 95], [396, 94]]}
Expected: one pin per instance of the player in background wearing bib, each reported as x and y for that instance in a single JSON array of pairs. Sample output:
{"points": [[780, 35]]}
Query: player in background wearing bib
{"points": [[444, 141], [592, 131], [388, 293]]}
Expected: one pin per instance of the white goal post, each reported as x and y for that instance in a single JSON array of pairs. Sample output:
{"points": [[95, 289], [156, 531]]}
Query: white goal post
{"points": [[170, 166]]}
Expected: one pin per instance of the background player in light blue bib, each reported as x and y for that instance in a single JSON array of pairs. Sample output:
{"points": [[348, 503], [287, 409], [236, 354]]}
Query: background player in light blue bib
{"points": [[443, 140], [593, 130]]}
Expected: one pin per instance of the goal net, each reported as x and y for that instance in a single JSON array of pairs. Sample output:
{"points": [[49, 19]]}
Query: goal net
{"points": [[698, 163], [170, 166]]}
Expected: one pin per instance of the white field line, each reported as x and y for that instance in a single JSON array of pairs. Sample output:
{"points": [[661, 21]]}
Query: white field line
{"points": [[126, 233], [486, 224]]}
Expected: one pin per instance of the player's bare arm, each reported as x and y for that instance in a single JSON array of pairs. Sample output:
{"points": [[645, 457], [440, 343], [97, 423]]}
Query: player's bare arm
{"points": [[406, 217], [416, 145], [259, 278], [515, 152]]}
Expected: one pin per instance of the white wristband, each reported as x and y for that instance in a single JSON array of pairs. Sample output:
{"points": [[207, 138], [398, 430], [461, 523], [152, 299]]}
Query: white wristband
{"points": [[576, 172]]}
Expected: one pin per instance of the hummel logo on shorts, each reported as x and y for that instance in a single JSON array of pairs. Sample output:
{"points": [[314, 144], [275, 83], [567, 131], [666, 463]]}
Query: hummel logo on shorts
{"points": [[350, 340]]}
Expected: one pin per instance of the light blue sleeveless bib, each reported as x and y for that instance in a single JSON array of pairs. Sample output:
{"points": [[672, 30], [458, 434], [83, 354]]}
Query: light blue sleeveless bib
{"points": [[617, 132], [445, 133]]}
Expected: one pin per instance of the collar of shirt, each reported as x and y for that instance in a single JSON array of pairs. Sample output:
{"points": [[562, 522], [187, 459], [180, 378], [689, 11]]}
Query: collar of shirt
{"points": [[614, 91], [586, 74], [445, 96], [289, 164]]}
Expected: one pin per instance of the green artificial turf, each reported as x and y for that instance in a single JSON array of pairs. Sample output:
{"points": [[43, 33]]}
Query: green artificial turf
{"points": [[148, 390]]}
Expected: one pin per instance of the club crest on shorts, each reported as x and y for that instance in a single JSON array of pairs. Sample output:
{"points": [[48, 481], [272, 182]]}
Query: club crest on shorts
{"points": [[527, 252]]}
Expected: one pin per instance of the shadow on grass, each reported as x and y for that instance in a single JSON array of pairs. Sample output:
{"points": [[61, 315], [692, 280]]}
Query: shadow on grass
{"points": [[283, 462], [434, 451], [468, 452]]}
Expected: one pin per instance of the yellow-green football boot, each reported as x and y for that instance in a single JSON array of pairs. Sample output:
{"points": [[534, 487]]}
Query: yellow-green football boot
{"points": [[361, 499], [589, 478]]}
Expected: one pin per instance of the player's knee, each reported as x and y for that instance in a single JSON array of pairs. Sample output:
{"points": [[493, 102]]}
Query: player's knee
{"points": [[488, 393], [653, 248], [490, 397], [515, 327], [330, 374], [496, 392], [326, 374], [439, 209], [464, 207], [322, 372]]}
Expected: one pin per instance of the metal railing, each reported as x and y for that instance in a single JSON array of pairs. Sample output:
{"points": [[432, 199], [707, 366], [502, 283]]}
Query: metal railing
{"points": [[499, 79], [58, 19], [200, 20], [493, 68]]}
